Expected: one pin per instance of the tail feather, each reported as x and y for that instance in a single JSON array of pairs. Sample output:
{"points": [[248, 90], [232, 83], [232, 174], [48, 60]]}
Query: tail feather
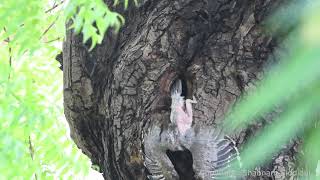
{"points": [[177, 99], [176, 88]]}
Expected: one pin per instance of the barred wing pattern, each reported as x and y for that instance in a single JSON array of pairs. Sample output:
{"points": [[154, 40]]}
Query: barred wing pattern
{"points": [[213, 154], [156, 160]]}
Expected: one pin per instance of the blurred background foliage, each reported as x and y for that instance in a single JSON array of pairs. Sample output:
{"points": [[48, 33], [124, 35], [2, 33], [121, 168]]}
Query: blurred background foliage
{"points": [[33, 131], [34, 137], [34, 141], [290, 90]]}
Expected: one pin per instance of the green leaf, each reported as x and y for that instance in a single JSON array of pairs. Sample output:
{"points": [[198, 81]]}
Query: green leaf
{"points": [[272, 91], [290, 123]]}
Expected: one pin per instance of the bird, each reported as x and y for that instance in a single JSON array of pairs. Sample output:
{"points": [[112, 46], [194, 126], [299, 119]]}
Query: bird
{"points": [[214, 154], [156, 160]]}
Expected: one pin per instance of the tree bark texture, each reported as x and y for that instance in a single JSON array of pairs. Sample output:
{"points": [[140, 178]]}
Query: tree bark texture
{"points": [[119, 90]]}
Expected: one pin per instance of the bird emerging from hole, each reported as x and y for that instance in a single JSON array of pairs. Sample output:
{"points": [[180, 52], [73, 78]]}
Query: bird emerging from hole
{"points": [[213, 153]]}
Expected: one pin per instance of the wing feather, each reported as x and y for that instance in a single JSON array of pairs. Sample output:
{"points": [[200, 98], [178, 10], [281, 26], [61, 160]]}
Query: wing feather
{"points": [[214, 155]]}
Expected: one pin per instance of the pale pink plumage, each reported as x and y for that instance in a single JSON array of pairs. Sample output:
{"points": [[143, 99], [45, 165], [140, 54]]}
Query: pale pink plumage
{"points": [[181, 110]]}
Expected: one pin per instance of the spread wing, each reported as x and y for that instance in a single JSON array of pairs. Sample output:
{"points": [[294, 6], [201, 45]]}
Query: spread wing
{"points": [[214, 155], [156, 160]]}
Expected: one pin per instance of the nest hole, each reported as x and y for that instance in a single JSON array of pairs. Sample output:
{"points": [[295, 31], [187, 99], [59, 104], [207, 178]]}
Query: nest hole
{"points": [[182, 162]]}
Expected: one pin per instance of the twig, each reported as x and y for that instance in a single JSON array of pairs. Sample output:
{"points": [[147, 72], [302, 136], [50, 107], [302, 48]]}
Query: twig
{"points": [[54, 7], [10, 50], [50, 26], [56, 39], [31, 150]]}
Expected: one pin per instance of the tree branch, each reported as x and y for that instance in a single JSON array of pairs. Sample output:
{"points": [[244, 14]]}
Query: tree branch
{"points": [[54, 7]]}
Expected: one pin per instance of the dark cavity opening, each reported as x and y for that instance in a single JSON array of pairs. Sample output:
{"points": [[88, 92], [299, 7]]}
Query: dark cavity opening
{"points": [[184, 87], [182, 162]]}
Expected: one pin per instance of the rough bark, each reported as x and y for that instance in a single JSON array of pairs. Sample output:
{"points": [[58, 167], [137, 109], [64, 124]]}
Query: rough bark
{"points": [[115, 93]]}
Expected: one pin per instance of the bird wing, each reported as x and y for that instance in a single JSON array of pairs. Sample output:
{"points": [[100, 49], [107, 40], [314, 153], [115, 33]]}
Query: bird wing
{"points": [[155, 158], [214, 155]]}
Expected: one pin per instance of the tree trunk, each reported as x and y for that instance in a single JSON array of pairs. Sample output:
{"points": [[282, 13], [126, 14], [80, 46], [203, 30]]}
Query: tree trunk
{"points": [[116, 92]]}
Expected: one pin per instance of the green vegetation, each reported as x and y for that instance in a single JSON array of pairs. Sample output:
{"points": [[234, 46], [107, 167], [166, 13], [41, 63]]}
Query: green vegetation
{"points": [[34, 143], [293, 86]]}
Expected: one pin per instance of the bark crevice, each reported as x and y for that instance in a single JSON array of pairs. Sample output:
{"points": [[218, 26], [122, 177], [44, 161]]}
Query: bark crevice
{"points": [[114, 94]]}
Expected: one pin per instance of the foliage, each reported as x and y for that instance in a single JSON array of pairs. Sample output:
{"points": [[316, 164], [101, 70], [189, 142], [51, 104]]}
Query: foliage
{"points": [[34, 142], [293, 86], [93, 18], [33, 132]]}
